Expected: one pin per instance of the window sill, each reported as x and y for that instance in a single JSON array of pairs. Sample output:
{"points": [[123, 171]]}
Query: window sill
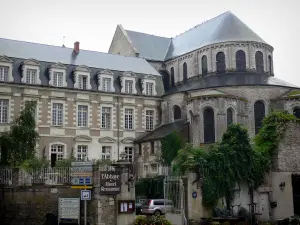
{"points": [[83, 128], [54, 126]]}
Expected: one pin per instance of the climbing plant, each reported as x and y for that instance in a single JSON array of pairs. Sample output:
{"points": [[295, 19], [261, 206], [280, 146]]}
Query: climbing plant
{"points": [[151, 187], [234, 160], [18, 144], [170, 145]]}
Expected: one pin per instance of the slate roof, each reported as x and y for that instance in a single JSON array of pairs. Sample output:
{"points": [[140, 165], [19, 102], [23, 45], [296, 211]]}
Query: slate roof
{"points": [[54, 54], [156, 49], [230, 79], [223, 28], [162, 131]]}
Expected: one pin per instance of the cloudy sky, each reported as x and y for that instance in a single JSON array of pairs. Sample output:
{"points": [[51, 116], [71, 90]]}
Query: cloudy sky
{"points": [[93, 22]]}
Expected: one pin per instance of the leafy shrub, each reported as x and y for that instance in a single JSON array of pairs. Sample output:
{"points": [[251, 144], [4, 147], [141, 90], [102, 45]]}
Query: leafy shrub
{"points": [[154, 220]]}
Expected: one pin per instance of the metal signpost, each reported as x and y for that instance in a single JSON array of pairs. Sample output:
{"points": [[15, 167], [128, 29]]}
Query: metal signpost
{"points": [[82, 178]]}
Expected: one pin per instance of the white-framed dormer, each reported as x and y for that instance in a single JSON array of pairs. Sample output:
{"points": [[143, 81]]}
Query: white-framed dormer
{"points": [[106, 81], [31, 72], [82, 78], [57, 75], [128, 83], [148, 85], [6, 66]]}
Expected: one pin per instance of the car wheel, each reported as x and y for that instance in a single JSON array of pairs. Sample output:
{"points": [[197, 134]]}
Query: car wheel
{"points": [[157, 213]]}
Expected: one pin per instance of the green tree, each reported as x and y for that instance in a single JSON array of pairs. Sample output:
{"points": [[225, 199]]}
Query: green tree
{"points": [[19, 142], [169, 148]]}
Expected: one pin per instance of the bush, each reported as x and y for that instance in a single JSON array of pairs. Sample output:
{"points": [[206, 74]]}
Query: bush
{"points": [[154, 220]]}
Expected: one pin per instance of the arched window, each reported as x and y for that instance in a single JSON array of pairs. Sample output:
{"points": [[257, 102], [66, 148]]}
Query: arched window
{"points": [[221, 66], [191, 125], [296, 112], [240, 58], [184, 72], [56, 153], [172, 77], [259, 115], [229, 117], [259, 62], [209, 125], [176, 112], [204, 65], [270, 62]]}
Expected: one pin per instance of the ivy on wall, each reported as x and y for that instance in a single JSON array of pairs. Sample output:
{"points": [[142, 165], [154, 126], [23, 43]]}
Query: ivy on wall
{"points": [[234, 160]]}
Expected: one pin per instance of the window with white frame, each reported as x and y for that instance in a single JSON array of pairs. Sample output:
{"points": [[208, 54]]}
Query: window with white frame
{"points": [[57, 152], [106, 153], [106, 84], [82, 116], [31, 76], [149, 88], [106, 112], [154, 168], [4, 107], [149, 119], [4, 73], [129, 153], [128, 119], [129, 86], [58, 78], [57, 114], [82, 82], [82, 151]]}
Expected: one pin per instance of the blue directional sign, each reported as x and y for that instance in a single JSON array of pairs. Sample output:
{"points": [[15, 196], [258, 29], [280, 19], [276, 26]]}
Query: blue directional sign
{"points": [[194, 194], [85, 195], [82, 173]]}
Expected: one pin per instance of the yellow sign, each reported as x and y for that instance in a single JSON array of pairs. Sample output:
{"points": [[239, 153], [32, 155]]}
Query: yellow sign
{"points": [[82, 187]]}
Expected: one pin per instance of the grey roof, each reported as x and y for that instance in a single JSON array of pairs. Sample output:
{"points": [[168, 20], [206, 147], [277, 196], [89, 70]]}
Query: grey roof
{"points": [[230, 79], [223, 28], [162, 131], [149, 46], [48, 53]]}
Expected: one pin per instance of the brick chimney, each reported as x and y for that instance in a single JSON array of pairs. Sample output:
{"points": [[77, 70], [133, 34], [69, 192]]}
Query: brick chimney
{"points": [[76, 47]]}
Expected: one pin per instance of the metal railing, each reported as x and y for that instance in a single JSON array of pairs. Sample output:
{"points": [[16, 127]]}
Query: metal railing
{"points": [[6, 177], [157, 171]]}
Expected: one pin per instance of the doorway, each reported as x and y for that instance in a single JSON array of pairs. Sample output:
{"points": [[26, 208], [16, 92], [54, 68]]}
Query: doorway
{"points": [[53, 159], [296, 193]]}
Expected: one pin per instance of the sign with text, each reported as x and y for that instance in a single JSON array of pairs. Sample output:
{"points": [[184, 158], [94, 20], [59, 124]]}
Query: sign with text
{"points": [[82, 173], [110, 182], [69, 208]]}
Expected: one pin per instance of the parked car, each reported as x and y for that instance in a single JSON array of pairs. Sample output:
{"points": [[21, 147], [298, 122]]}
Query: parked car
{"points": [[156, 207]]}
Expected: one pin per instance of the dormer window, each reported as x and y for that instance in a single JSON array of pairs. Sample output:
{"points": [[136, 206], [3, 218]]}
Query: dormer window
{"points": [[148, 85], [105, 81], [82, 78], [31, 72], [57, 75], [128, 80], [6, 66]]}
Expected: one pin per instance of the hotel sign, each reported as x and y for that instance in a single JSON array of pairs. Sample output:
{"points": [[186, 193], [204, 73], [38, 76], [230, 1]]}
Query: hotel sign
{"points": [[110, 182]]}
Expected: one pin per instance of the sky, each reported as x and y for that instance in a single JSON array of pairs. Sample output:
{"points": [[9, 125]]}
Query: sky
{"points": [[93, 22]]}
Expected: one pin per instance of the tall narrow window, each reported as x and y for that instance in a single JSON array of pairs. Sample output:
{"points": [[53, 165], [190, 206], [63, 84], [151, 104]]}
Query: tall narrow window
{"points": [[204, 65], [82, 152], [172, 77], [129, 86], [57, 114], [152, 149], [4, 104], [31, 76], [58, 78], [106, 84], [82, 116], [82, 82], [270, 62], [185, 76], [240, 58], [56, 153], [129, 153], [106, 152], [4, 73], [149, 88], [229, 117], [209, 125], [129, 119], [106, 117], [149, 120], [176, 112], [220, 60], [259, 62], [296, 112], [259, 115]]}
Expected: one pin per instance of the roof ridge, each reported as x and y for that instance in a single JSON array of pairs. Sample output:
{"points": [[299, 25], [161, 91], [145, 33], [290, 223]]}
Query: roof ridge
{"points": [[56, 46], [205, 21]]}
